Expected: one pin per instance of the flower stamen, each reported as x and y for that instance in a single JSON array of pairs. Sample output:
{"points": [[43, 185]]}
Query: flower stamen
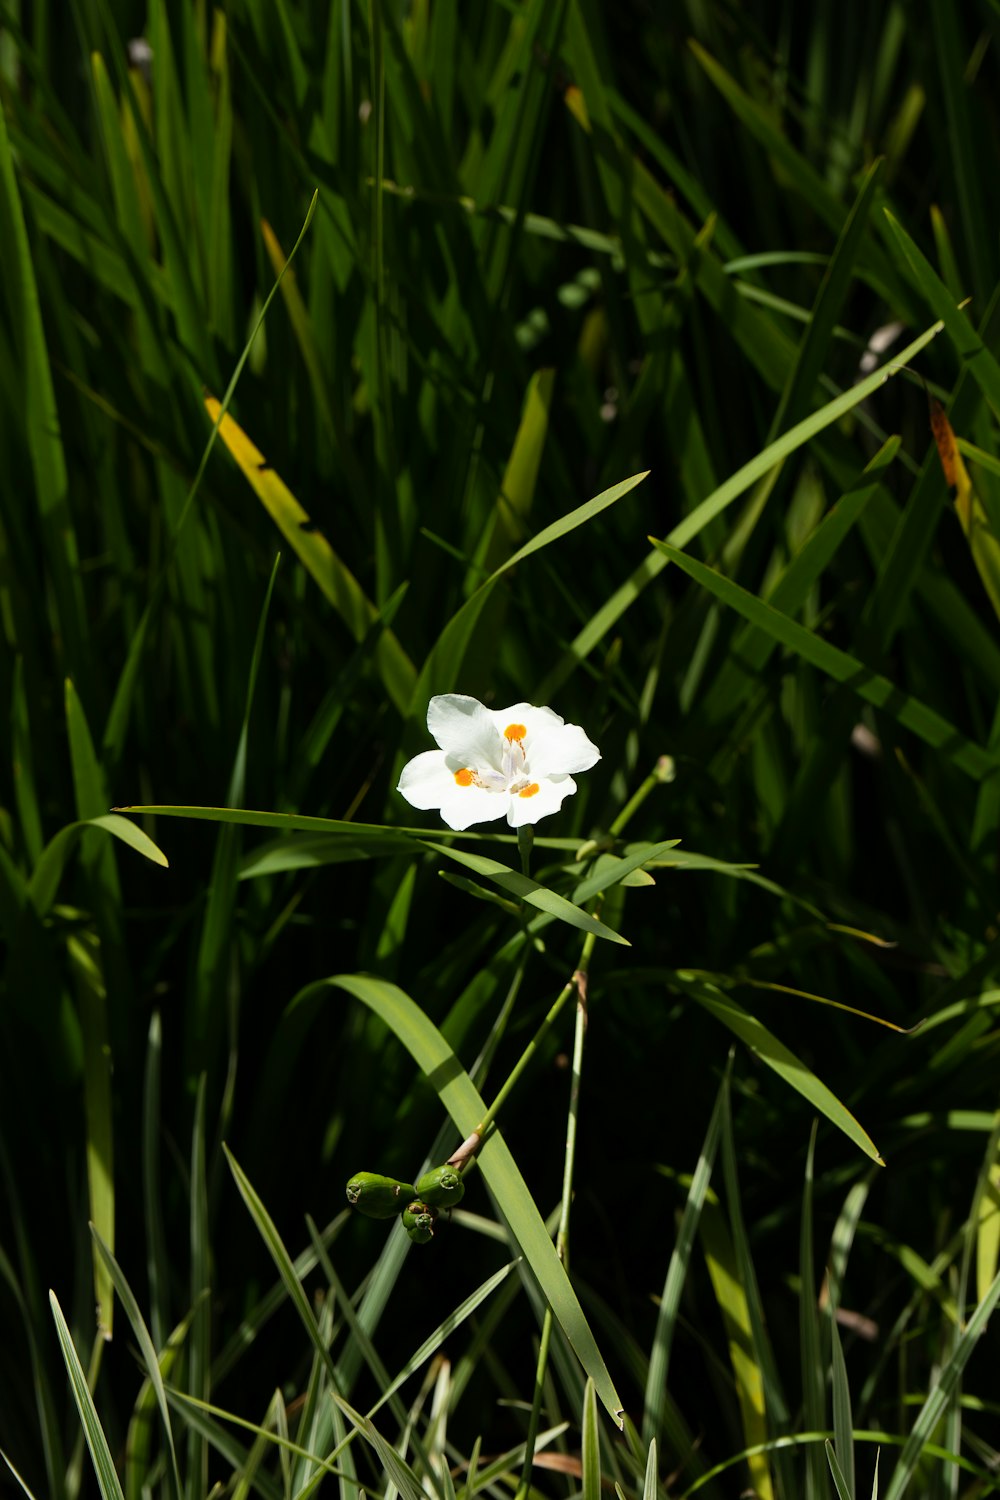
{"points": [[515, 732], [465, 777], [529, 791]]}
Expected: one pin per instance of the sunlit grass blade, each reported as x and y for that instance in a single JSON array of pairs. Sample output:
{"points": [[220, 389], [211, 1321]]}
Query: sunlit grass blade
{"points": [[982, 364], [752, 648], [434, 1340], [527, 890], [843, 1422], [283, 1261], [842, 667], [396, 1468], [732, 1300], [25, 1487], [777, 1056], [775, 1401], [139, 1441], [810, 1356], [442, 667], [463, 1102], [590, 1446], [107, 1477], [149, 1355], [48, 872], [207, 1420], [333, 577], [715, 504], [655, 1397], [845, 1490], [509, 520], [976, 523], [941, 1394]]}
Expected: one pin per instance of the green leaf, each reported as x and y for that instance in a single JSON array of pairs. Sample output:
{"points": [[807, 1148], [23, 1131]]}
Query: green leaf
{"points": [[149, 1356], [443, 665], [49, 870], [100, 1453], [590, 1445], [268, 1232], [656, 1392], [982, 364], [842, 667], [776, 1056], [529, 891], [718, 501], [465, 1105], [943, 1392]]}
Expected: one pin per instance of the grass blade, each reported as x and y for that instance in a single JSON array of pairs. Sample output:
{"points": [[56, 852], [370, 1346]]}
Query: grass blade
{"points": [[777, 1056], [654, 1404], [100, 1453], [925, 722], [463, 1102]]}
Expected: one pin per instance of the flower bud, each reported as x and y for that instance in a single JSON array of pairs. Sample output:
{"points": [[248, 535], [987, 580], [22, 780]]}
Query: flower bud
{"points": [[378, 1197], [442, 1188], [418, 1221]]}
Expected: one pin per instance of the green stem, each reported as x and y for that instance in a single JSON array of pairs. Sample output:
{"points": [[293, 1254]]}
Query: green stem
{"points": [[534, 1420], [568, 989], [579, 1034], [525, 839], [662, 772], [562, 1235]]}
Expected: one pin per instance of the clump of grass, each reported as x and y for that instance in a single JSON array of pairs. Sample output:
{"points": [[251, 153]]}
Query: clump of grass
{"points": [[570, 357]]}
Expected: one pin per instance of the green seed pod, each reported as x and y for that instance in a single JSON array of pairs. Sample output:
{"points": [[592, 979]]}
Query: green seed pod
{"points": [[418, 1221], [442, 1188], [378, 1197]]}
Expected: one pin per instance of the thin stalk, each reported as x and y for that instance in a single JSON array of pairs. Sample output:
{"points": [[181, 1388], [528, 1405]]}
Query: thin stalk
{"points": [[571, 987], [562, 1234], [661, 773]]}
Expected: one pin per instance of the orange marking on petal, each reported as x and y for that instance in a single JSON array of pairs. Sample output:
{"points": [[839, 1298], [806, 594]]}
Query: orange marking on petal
{"points": [[529, 791], [464, 776], [515, 732]]}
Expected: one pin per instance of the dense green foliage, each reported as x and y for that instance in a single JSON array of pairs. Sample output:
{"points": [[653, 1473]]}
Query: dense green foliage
{"points": [[663, 259]]}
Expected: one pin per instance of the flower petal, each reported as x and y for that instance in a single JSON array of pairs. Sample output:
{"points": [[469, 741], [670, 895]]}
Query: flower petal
{"points": [[548, 799], [426, 780], [559, 750], [465, 805], [534, 719], [465, 729]]}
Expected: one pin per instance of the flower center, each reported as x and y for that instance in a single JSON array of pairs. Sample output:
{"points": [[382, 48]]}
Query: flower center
{"points": [[513, 775]]}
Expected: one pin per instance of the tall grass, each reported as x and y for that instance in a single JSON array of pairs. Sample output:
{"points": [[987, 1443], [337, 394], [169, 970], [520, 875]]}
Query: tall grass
{"points": [[598, 378]]}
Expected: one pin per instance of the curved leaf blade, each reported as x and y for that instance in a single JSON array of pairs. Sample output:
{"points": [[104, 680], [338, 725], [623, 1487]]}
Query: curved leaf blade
{"points": [[466, 1107], [777, 1056]]}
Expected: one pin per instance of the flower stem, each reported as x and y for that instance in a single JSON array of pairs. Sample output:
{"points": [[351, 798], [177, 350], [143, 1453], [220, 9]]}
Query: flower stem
{"points": [[573, 986], [662, 772], [562, 1236], [525, 839]]}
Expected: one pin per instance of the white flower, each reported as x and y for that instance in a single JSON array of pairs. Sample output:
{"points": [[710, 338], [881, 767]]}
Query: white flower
{"points": [[515, 761]]}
